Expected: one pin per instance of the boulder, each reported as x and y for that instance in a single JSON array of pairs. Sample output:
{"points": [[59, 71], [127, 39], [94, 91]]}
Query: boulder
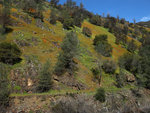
{"points": [[130, 78]]}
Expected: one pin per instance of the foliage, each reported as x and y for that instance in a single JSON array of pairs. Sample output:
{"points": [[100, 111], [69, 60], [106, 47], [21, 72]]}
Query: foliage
{"points": [[120, 34], [95, 72], [144, 68], [5, 16], [66, 59], [109, 66], [86, 31], [132, 46], [70, 4], [129, 62], [54, 3], [102, 46], [68, 23], [9, 53], [100, 95], [33, 7], [53, 17], [96, 20], [45, 79], [120, 79], [99, 38], [4, 85]]}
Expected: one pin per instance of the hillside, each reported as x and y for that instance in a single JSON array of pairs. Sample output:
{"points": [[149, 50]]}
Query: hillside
{"points": [[40, 41], [44, 42], [145, 24]]}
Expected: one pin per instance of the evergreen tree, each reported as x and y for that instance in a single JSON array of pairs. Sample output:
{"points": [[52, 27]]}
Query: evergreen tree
{"points": [[66, 59], [86, 31], [70, 4], [132, 46], [109, 66], [130, 62], [120, 79], [45, 79], [34, 7], [102, 46], [5, 15], [100, 95], [53, 17], [97, 72], [4, 86], [54, 2], [9, 53], [68, 23], [144, 70], [96, 20]]}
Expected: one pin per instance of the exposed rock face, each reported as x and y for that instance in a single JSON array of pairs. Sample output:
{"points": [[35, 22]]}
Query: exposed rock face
{"points": [[121, 102], [130, 78], [43, 26], [25, 77], [24, 18], [70, 81], [33, 41]]}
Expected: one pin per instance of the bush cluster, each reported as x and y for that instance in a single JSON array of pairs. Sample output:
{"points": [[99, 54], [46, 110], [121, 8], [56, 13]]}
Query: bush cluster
{"points": [[86, 31], [102, 46], [100, 95], [109, 66], [9, 53]]}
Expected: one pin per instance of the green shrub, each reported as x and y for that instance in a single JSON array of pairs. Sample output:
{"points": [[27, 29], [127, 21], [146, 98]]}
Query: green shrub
{"points": [[53, 17], [4, 85], [96, 20], [102, 46], [66, 59], [99, 38], [45, 79], [68, 23], [17, 88], [120, 79], [86, 31], [2, 29], [129, 62], [132, 46], [100, 95], [9, 53], [95, 72], [109, 66]]}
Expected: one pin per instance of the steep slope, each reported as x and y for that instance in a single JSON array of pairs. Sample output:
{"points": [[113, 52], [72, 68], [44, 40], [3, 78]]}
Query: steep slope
{"points": [[40, 41], [145, 24]]}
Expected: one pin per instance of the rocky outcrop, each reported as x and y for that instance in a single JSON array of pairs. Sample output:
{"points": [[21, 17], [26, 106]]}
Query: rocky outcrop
{"points": [[130, 78], [121, 102], [24, 79], [24, 17], [70, 81]]}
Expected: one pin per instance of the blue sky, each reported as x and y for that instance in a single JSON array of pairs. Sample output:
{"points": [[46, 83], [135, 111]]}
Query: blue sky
{"points": [[128, 9]]}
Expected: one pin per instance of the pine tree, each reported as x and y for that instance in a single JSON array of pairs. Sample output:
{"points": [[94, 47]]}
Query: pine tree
{"points": [[9, 53], [144, 70], [4, 86], [53, 17], [132, 46], [66, 59], [54, 3], [100, 95], [5, 15], [45, 79]]}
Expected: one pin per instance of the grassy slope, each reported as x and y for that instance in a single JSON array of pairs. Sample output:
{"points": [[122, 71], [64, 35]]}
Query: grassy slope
{"points": [[46, 49]]}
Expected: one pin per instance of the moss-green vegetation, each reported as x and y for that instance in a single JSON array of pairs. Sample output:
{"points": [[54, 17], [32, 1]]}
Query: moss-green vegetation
{"points": [[42, 37]]}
